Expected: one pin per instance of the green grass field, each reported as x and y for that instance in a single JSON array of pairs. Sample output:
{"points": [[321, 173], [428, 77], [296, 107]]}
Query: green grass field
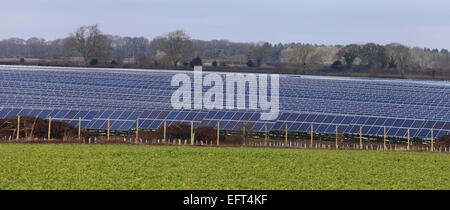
{"points": [[160, 167]]}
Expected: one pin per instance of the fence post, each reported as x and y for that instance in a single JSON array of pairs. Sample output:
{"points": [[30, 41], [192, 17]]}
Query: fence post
{"points": [[79, 128], [18, 127], [49, 126], [312, 130], [165, 129], [218, 132], [137, 129], [360, 137], [337, 146], [432, 140], [192, 132], [408, 140], [286, 136], [265, 130], [384, 142], [108, 131]]}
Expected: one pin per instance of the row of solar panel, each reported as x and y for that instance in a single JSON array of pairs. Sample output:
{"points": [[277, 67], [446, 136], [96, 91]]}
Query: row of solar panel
{"points": [[159, 95], [306, 83], [372, 95], [439, 115], [288, 91], [224, 115], [11, 94], [124, 120]]}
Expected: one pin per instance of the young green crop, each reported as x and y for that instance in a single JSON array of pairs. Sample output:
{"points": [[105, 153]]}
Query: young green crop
{"points": [[48, 166]]}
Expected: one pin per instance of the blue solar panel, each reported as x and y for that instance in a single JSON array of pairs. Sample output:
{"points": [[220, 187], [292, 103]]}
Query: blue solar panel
{"points": [[190, 116], [81, 114], [13, 112], [116, 114], [106, 114], [172, 115], [4, 112], [126, 95], [35, 112], [145, 123], [283, 116], [305, 127], [278, 126], [132, 116], [115, 125], [127, 125], [181, 116], [200, 116], [322, 128], [25, 112]]}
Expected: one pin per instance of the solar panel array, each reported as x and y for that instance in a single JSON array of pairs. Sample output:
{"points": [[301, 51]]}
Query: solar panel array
{"points": [[124, 95]]}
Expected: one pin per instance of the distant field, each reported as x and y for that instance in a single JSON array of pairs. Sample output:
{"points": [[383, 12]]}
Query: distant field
{"points": [[177, 167]]}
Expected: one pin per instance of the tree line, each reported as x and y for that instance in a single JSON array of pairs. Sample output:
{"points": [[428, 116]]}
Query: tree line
{"points": [[177, 49]]}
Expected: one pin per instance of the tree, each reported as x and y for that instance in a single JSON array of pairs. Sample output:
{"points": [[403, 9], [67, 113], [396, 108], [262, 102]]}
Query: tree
{"points": [[349, 53], [374, 55], [304, 57], [13, 47], [261, 53], [36, 48], [177, 46], [89, 43], [400, 55], [197, 61], [137, 48]]}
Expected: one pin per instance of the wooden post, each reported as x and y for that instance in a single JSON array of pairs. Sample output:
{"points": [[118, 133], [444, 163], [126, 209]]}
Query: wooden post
{"points": [[218, 132], [432, 140], [18, 127], [312, 133], [384, 142], [49, 126], [79, 128], [265, 130], [137, 130], [192, 132], [286, 135], [244, 132], [108, 131], [408, 141], [360, 137], [165, 127], [337, 146]]}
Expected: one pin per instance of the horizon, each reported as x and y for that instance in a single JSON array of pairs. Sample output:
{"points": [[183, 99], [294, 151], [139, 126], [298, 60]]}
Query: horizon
{"points": [[410, 23]]}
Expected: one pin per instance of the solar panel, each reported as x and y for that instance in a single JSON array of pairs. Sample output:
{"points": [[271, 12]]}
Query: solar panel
{"points": [[123, 96]]}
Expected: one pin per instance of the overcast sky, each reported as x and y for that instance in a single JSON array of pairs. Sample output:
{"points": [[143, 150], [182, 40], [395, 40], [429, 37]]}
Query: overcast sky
{"points": [[424, 23]]}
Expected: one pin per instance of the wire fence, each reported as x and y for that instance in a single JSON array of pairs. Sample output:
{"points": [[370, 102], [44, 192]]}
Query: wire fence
{"points": [[215, 137], [253, 143]]}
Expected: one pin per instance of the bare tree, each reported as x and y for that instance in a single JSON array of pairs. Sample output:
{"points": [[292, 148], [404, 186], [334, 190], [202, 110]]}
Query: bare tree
{"points": [[89, 43], [349, 53], [177, 46], [12, 47], [261, 52], [304, 57], [374, 55], [401, 55], [36, 48]]}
